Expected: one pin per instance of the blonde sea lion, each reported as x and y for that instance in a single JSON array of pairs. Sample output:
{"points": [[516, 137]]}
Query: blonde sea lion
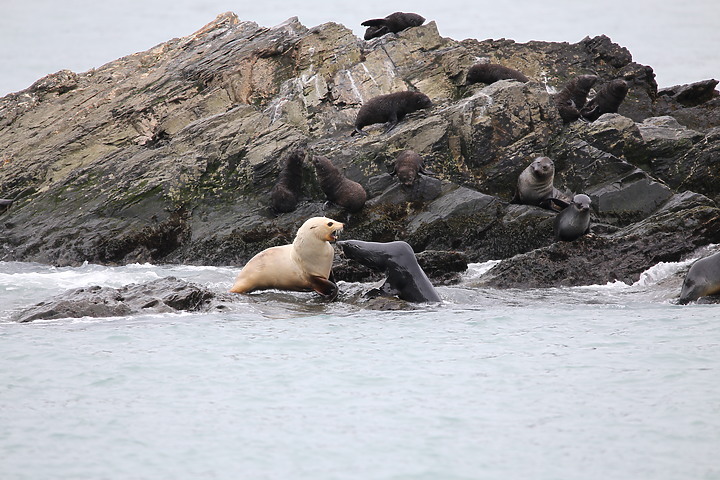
{"points": [[302, 266]]}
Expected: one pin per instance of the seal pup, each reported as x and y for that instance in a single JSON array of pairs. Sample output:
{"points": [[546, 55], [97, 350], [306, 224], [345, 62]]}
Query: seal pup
{"points": [[285, 195], [302, 266], [389, 108], [339, 189], [573, 96], [607, 100], [492, 72], [408, 166], [405, 278], [535, 186], [702, 279], [393, 23], [574, 220]]}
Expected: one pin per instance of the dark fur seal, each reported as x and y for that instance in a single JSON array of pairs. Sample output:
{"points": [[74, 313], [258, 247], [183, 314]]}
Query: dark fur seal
{"points": [[408, 166], [573, 96], [339, 189], [574, 220], [390, 108], [393, 23], [285, 195], [607, 100], [492, 72], [702, 279], [405, 278], [5, 204], [535, 186]]}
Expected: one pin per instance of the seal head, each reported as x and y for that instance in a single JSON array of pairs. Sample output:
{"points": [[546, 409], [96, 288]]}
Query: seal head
{"points": [[703, 279]]}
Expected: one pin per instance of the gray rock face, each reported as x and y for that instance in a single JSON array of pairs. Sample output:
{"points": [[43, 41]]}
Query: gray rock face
{"points": [[168, 155]]}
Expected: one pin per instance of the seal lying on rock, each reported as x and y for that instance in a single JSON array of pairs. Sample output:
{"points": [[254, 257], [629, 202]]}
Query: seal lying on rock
{"points": [[302, 266], [286, 193], [393, 23], [492, 72], [574, 220], [408, 166], [390, 108], [535, 186], [702, 279], [405, 278], [339, 189], [573, 96], [607, 100]]}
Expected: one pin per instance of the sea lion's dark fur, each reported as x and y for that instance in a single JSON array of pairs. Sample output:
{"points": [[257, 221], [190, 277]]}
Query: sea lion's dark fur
{"points": [[573, 96], [608, 100], [408, 166], [574, 220], [389, 108], [405, 278], [702, 279], [492, 72], [535, 186], [285, 195], [393, 23], [339, 189]]}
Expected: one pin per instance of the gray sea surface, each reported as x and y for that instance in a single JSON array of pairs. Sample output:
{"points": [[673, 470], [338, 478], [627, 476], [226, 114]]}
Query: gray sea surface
{"points": [[38, 37], [607, 381]]}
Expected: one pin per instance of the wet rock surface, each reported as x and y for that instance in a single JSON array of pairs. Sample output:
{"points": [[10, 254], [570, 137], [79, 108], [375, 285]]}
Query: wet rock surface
{"points": [[168, 155]]}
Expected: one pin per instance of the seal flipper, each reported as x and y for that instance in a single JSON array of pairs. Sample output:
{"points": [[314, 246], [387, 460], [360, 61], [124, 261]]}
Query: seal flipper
{"points": [[374, 22], [324, 287], [554, 204]]}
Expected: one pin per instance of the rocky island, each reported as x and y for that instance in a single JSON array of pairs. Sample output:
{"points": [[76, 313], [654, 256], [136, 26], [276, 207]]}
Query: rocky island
{"points": [[169, 155]]}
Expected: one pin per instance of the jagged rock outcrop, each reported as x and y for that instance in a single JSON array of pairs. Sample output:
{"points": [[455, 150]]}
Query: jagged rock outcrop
{"points": [[168, 155]]}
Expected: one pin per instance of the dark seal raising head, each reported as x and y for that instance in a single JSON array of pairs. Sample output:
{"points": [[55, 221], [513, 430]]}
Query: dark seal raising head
{"points": [[408, 166], [607, 100], [573, 96], [405, 278], [492, 72], [535, 185], [574, 221], [286, 193], [339, 189], [390, 108], [702, 279], [393, 23]]}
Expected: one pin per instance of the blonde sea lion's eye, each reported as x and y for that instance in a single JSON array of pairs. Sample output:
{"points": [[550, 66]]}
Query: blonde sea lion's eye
{"points": [[330, 224]]}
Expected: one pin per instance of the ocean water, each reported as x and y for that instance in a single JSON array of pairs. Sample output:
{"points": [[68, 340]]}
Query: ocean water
{"points": [[37, 37], [608, 381]]}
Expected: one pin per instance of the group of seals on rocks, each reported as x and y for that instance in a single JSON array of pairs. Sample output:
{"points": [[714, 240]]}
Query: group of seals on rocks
{"points": [[340, 190], [572, 102]]}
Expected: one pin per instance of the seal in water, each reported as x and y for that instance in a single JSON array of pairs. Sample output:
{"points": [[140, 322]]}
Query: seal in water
{"points": [[573, 96], [390, 108], [607, 100], [574, 220], [702, 279], [405, 278], [492, 72], [339, 189], [302, 266], [535, 186], [393, 23], [285, 195]]}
